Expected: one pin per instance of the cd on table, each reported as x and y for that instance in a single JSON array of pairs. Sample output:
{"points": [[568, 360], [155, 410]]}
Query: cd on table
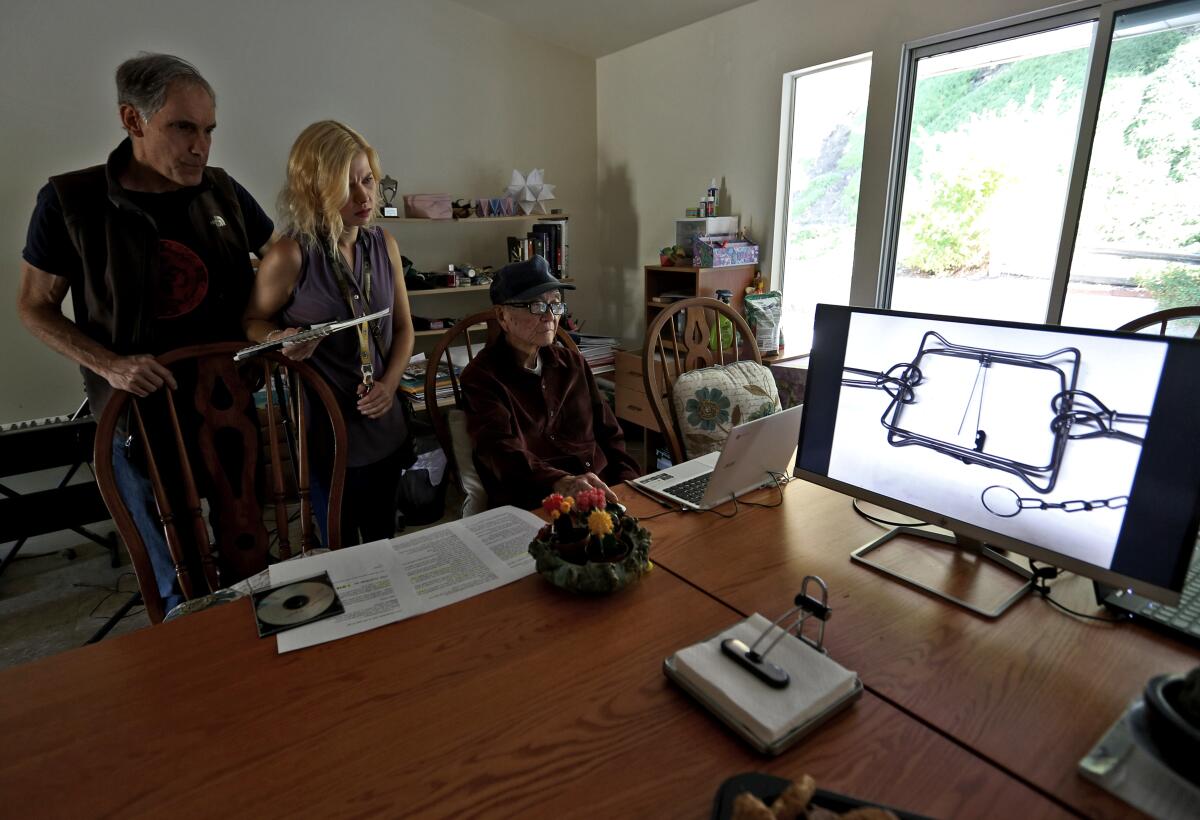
{"points": [[295, 603]]}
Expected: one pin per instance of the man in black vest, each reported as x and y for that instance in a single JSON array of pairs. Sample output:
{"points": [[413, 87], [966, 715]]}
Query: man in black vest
{"points": [[154, 247]]}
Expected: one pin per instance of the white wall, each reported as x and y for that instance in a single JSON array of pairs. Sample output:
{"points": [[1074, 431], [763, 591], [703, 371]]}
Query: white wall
{"points": [[704, 101], [451, 99]]}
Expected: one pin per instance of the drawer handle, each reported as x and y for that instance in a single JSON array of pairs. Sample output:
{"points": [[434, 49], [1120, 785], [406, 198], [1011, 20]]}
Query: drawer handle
{"points": [[635, 407]]}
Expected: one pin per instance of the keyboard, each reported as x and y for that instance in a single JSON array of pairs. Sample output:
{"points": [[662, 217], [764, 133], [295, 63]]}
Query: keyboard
{"points": [[1183, 619], [691, 490]]}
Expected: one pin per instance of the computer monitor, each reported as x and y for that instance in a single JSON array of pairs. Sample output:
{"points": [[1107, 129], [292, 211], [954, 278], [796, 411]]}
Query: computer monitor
{"points": [[1077, 448]]}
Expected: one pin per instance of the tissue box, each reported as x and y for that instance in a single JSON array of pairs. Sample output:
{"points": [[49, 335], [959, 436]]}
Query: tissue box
{"points": [[723, 251], [427, 206]]}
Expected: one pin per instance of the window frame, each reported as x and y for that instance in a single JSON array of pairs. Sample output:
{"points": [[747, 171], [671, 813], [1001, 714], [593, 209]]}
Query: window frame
{"points": [[1103, 14], [783, 192]]}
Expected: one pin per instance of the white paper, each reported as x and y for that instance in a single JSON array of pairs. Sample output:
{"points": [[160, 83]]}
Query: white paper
{"points": [[817, 681], [390, 580], [365, 578], [452, 562]]}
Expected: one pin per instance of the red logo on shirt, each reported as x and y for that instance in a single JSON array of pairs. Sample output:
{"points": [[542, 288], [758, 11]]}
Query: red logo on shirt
{"points": [[182, 280]]}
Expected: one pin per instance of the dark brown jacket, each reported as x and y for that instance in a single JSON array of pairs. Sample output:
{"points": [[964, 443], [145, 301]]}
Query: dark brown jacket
{"points": [[529, 430]]}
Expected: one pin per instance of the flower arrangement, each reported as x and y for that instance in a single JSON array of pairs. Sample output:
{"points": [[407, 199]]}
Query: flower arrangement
{"points": [[589, 546]]}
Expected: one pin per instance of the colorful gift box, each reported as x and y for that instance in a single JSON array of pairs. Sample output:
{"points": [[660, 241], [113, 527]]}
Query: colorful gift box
{"points": [[723, 251]]}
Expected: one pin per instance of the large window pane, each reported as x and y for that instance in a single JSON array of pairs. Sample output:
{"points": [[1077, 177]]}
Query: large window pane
{"points": [[829, 112], [989, 157], [1138, 245]]}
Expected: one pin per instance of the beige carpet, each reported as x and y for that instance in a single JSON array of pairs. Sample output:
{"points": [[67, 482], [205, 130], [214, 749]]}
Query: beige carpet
{"points": [[50, 603]]}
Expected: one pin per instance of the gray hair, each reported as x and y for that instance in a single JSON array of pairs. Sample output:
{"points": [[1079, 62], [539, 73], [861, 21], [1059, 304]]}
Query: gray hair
{"points": [[143, 81]]}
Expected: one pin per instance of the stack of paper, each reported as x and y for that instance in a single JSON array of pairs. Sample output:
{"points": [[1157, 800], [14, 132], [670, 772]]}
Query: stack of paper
{"points": [[818, 685], [412, 384], [387, 581], [597, 351]]}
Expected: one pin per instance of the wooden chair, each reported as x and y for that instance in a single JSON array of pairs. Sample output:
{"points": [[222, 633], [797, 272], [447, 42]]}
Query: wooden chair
{"points": [[218, 453], [674, 346], [471, 335], [1163, 319]]}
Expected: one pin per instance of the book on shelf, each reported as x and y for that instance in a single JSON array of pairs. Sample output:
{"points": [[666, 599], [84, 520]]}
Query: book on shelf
{"points": [[559, 248], [548, 239], [537, 245], [673, 296]]}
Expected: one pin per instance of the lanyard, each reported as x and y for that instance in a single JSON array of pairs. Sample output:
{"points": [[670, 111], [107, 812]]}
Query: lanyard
{"points": [[343, 276]]}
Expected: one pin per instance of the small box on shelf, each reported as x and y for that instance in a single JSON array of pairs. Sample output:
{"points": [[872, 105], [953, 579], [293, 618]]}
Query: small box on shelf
{"points": [[686, 230], [723, 252], [427, 206]]}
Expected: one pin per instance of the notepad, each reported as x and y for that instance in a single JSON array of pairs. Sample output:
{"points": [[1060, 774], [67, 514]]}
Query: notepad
{"points": [[770, 719]]}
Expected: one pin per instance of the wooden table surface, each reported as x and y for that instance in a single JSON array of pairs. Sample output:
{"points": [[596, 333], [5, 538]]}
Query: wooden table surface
{"points": [[523, 701], [1031, 691]]}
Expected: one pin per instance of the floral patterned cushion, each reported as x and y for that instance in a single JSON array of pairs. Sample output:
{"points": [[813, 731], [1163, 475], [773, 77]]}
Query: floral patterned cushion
{"points": [[708, 403]]}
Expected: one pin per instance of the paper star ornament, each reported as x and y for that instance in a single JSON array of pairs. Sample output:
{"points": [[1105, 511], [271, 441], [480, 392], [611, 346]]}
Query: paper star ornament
{"points": [[530, 191]]}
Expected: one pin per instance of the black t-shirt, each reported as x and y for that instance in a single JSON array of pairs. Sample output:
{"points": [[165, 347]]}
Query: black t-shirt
{"points": [[187, 301]]}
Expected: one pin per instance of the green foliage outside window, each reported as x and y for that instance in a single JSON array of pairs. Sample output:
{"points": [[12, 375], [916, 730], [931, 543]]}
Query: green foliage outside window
{"points": [[1173, 287]]}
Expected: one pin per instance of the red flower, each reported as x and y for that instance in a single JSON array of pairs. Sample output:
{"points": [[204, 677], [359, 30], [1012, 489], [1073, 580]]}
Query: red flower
{"points": [[552, 503], [592, 499]]}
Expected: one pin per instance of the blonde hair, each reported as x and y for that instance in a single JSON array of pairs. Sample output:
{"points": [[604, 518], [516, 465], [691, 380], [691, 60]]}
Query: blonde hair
{"points": [[317, 186]]}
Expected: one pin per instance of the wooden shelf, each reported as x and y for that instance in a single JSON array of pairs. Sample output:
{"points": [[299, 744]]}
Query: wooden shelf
{"points": [[470, 219], [452, 291], [441, 291], [444, 329]]}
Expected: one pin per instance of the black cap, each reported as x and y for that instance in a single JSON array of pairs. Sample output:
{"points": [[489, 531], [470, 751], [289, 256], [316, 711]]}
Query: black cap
{"points": [[524, 282]]}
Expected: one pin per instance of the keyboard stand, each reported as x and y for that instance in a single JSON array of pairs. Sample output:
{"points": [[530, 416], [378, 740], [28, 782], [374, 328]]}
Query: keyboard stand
{"points": [[66, 443]]}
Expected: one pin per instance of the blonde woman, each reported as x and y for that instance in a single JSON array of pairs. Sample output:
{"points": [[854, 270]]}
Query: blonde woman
{"points": [[332, 264]]}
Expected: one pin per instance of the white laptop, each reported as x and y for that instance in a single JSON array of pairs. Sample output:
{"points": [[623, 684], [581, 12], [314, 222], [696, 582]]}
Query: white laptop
{"points": [[752, 452]]}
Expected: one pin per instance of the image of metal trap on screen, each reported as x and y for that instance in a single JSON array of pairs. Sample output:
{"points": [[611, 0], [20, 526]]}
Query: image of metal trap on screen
{"points": [[1001, 409]]}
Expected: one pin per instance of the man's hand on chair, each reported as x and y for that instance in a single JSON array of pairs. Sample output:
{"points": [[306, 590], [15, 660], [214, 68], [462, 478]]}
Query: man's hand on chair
{"points": [[140, 374]]}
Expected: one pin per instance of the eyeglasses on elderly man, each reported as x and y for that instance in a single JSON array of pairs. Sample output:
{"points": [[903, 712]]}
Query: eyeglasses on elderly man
{"points": [[539, 308]]}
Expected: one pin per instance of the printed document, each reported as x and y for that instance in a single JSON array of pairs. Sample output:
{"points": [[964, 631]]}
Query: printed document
{"points": [[387, 581]]}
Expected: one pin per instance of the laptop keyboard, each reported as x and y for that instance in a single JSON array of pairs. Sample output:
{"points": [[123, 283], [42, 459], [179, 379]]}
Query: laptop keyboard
{"points": [[691, 490], [1186, 616]]}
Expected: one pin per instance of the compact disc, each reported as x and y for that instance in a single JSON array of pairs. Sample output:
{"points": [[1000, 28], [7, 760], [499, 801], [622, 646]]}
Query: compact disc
{"points": [[294, 603]]}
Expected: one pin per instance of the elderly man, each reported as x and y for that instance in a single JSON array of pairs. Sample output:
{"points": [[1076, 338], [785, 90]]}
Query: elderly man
{"points": [[154, 247], [537, 420]]}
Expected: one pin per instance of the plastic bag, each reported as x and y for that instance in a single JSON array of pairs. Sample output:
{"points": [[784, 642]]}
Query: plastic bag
{"points": [[764, 313]]}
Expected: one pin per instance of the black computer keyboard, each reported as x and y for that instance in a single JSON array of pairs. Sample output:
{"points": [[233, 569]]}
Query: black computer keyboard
{"points": [[691, 490], [1184, 618]]}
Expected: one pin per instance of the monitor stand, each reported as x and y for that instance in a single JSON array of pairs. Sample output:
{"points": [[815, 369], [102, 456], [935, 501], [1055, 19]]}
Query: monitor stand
{"points": [[958, 568]]}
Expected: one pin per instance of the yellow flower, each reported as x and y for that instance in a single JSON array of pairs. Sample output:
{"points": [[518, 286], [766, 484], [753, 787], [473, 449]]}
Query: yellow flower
{"points": [[554, 514], [600, 522], [566, 505]]}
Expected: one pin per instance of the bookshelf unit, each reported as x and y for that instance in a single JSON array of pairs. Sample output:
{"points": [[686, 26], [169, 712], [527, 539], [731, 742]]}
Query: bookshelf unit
{"points": [[660, 279], [458, 241]]}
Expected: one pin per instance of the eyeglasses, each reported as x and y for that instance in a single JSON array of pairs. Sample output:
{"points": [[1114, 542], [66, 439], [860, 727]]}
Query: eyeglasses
{"points": [[540, 308]]}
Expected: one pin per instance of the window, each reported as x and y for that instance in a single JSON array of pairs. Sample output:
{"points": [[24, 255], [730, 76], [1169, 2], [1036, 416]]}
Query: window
{"points": [[825, 112], [1047, 168], [989, 152], [1137, 249]]}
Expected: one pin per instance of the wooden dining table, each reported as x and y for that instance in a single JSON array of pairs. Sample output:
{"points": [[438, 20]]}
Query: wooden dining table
{"points": [[1031, 691], [525, 701]]}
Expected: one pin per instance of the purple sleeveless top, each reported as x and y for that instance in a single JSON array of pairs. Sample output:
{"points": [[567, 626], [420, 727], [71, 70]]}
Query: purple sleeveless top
{"points": [[317, 298]]}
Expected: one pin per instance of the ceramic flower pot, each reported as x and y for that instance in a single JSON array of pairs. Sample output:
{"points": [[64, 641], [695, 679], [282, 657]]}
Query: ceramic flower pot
{"points": [[590, 548]]}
